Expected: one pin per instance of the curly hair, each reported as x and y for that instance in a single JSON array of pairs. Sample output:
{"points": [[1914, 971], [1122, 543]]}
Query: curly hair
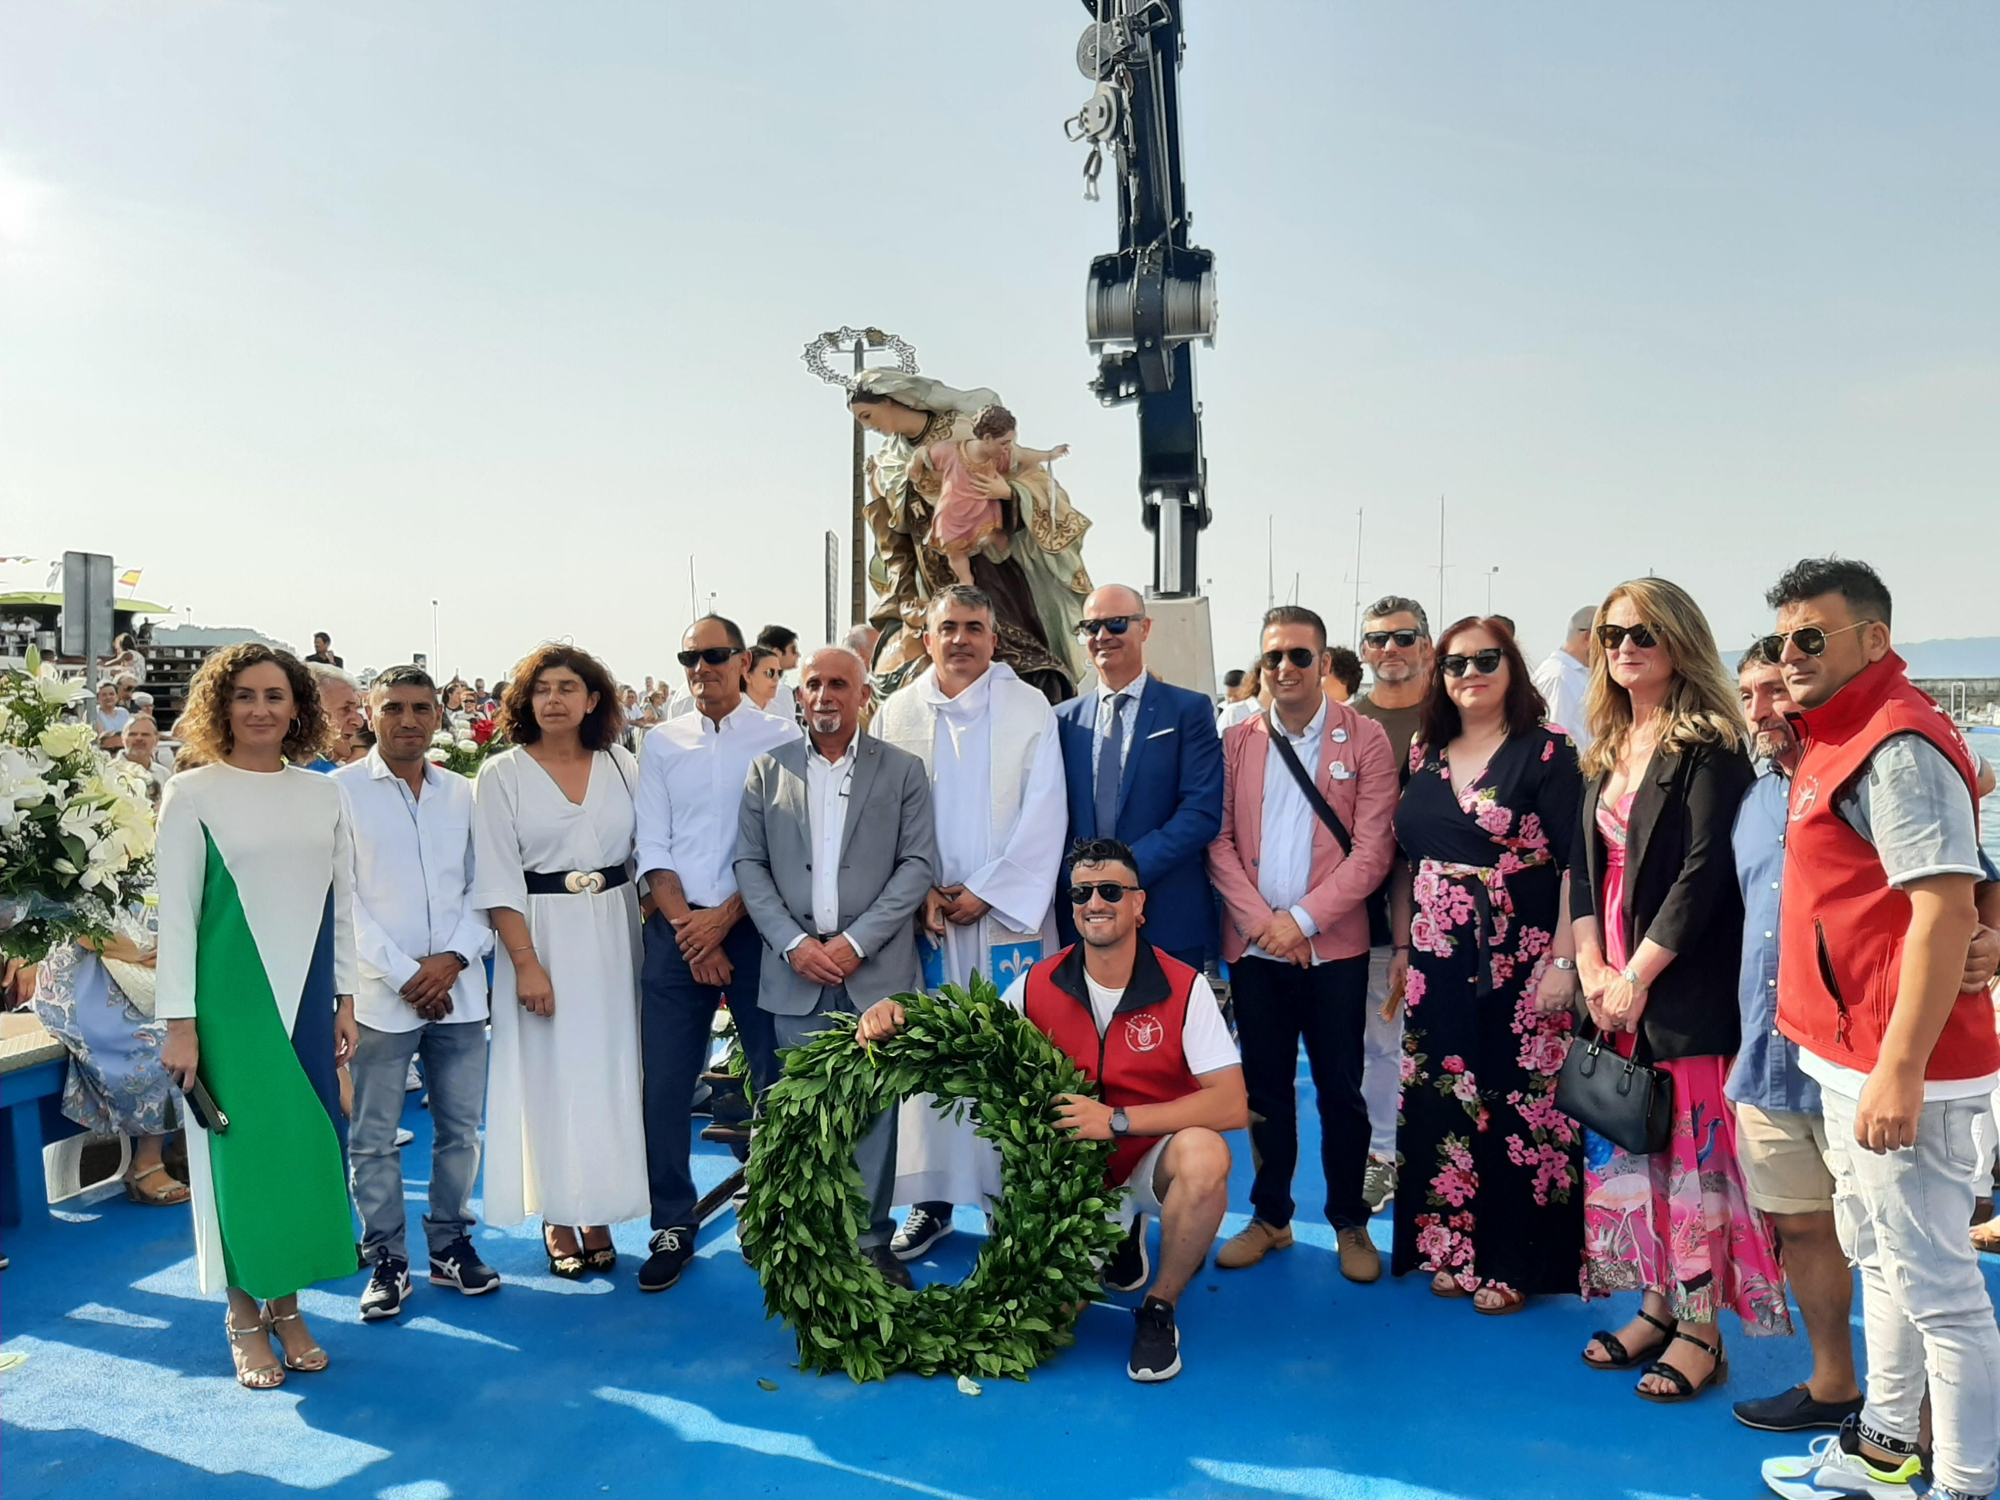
{"points": [[203, 726], [993, 421], [600, 727]]}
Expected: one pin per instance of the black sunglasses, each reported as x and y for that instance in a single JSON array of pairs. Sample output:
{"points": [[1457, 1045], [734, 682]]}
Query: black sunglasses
{"points": [[1110, 890], [1115, 624], [715, 656], [1485, 663], [1611, 637], [1298, 656], [1808, 638], [1375, 640]]}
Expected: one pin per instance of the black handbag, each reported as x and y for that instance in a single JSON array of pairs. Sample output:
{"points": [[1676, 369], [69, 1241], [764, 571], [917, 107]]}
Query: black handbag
{"points": [[1628, 1101]]}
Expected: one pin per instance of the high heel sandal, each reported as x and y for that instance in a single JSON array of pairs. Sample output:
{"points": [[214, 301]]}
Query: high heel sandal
{"points": [[1621, 1358], [265, 1377], [568, 1265], [309, 1363]]}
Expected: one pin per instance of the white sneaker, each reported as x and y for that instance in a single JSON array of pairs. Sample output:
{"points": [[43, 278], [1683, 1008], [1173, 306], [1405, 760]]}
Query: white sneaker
{"points": [[1829, 1469], [412, 1080]]}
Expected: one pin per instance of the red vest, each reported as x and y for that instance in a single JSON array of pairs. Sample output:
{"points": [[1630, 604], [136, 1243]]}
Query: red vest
{"points": [[1841, 928], [1139, 1058]]}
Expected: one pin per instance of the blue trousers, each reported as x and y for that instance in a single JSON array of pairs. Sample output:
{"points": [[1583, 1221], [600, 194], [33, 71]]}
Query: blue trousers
{"points": [[675, 1013]]}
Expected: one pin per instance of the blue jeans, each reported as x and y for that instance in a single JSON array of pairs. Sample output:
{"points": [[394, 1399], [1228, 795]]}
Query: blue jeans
{"points": [[674, 1017], [454, 1054]]}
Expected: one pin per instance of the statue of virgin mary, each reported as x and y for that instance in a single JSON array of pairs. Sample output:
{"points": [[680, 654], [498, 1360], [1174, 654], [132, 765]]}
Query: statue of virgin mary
{"points": [[1037, 588]]}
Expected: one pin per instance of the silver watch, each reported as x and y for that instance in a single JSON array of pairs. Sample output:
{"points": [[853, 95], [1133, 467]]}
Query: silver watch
{"points": [[1567, 965]]}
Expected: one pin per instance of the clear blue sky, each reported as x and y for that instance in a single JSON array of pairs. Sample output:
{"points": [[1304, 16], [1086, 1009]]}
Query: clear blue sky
{"points": [[319, 312]]}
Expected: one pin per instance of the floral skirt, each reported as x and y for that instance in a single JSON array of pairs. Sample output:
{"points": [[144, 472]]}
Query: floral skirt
{"points": [[1678, 1221]]}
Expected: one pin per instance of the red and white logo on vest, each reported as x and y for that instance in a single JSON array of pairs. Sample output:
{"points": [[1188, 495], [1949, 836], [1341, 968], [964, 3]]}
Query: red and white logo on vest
{"points": [[1805, 794], [1144, 1033]]}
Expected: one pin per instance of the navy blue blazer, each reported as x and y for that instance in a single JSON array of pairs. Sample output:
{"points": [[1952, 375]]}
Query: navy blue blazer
{"points": [[1169, 808]]}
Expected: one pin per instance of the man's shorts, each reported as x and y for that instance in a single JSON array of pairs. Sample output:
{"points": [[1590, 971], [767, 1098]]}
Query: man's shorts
{"points": [[1141, 1195], [1783, 1156]]}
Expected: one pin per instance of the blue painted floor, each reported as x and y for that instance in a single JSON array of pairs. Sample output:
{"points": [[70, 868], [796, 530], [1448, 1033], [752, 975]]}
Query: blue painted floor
{"points": [[1296, 1383]]}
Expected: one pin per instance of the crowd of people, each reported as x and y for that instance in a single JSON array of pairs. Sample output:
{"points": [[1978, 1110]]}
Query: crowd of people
{"points": [[1763, 892]]}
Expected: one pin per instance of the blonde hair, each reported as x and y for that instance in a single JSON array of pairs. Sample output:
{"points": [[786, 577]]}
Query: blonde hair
{"points": [[1701, 706]]}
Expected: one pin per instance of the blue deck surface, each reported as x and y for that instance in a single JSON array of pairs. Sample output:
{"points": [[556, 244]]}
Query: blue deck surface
{"points": [[1296, 1383]]}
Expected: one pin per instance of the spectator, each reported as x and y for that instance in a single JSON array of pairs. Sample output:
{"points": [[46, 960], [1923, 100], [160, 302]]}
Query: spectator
{"points": [[340, 696], [1343, 675], [322, 650], [777, 638], [106, 719], [760, 680], [142, 747], [1250, 699], [1564, 675], [125, 660]]}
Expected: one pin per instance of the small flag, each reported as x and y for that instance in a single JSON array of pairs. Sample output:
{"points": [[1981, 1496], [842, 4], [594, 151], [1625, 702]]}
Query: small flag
{"points": [[16, 559], [129, 578]]}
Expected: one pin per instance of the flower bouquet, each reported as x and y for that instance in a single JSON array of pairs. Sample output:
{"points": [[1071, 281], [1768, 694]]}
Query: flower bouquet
{"points": [[465, 753], [76, 826]]}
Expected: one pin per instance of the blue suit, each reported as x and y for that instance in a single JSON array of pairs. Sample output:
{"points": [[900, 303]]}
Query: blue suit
{"points": [[1169, 809]]}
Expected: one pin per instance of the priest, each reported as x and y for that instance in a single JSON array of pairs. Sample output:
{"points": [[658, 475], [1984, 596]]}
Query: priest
{"points": [[989, 742]]}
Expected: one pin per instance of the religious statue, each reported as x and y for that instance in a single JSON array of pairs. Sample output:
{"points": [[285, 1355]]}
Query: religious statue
{"points": [[953, 497]]}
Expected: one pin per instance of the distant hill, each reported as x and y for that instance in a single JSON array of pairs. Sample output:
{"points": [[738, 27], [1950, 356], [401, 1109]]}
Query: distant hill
{"points": [[1976, 656]]}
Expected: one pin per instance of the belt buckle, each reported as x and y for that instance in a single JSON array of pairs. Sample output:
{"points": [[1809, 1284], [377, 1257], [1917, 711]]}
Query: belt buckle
{"points": [[583, 882]]}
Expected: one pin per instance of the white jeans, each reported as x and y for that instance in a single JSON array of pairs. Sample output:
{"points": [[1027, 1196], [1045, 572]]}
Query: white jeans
{"points": [[1903, 1218], [1381, 1060]]}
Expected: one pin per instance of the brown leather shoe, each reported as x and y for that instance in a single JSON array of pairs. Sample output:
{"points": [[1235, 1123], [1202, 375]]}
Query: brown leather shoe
{"points": [[1359, 1259], [1252, 1244]]}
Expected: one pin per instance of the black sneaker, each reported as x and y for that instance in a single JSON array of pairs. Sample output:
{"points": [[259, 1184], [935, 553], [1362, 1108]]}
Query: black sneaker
{"points": [[459, 1265], [386, 1290], [883, 1259], [922, 1229], [1795, 1411], [672, 1250], [1156, 1343], [1129, 1267]]}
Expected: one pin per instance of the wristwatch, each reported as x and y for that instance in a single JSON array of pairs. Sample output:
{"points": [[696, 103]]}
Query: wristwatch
{"points": [[1120, 1123], [1631, 976], [463, 962], [1567, 965]]}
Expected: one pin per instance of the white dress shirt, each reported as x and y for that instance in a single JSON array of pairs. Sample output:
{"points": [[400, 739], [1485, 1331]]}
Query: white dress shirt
{"points": [[1562, 681], [1284, 859], [828, 785], [413, 868], [691, 777], [1128, 721]]}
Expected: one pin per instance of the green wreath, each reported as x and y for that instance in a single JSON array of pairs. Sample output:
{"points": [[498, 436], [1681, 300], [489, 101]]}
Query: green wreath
{"points": [[1049, 1231]]}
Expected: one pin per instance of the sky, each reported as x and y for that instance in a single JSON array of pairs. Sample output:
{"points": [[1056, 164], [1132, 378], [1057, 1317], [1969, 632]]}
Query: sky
{"points": [[319, 313]]}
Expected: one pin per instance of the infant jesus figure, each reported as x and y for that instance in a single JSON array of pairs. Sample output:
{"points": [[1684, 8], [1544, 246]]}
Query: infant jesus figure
{"points": [[972, 481]]}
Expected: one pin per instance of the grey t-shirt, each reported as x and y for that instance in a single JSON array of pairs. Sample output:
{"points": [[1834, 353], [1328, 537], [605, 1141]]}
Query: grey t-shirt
{"points": [[1915, 808]]}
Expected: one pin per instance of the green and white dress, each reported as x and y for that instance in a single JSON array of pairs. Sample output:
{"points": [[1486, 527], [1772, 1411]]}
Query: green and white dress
{"points": [[256, 940]]}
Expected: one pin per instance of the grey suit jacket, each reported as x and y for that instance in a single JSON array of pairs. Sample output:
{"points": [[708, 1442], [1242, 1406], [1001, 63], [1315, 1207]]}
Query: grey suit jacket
{"points": [[888, 863]]}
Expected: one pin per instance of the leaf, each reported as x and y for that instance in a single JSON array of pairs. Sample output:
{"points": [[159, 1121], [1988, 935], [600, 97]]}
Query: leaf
{"points": [[767, 1385], [967, 1386]]}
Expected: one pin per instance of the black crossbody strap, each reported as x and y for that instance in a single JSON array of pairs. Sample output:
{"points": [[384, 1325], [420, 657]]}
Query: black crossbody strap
{"points": [[1320, 805]]}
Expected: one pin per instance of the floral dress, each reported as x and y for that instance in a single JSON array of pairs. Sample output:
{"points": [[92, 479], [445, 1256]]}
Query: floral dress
{"points": [[1491, 1170], [116, 1082]]}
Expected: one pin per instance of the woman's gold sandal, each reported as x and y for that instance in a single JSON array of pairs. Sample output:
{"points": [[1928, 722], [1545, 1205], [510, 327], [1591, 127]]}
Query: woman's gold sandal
{"points": [[309, 1363], [172, 1196], [265, 1377]]}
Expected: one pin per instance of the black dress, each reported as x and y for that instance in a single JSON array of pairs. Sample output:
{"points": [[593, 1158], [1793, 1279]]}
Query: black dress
{"points": [[1491, 1172]]}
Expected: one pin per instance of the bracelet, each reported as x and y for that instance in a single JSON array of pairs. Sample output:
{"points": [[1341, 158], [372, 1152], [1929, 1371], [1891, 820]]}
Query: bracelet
{"points": [[524, 948], [1401, 948]]}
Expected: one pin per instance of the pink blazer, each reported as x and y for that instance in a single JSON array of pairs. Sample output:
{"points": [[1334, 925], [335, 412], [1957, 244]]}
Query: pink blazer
{"points": [[1341, 884]]}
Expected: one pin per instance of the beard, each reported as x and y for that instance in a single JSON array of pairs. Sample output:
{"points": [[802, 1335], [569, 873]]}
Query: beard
{"points": [[1773, 744], [824, 723]]}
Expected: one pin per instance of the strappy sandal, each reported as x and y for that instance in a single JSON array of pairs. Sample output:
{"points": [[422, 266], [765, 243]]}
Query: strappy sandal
{"points": [[309, 1363], [264, 1377], [1449, 1286], [1683, 1388], [1510, 1302], [598, 1257], [1621, 1359], [570, 1267], [172, 1197]]}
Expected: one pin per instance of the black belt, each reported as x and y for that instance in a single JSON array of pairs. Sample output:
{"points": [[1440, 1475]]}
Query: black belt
{"points": [[574, 882]]}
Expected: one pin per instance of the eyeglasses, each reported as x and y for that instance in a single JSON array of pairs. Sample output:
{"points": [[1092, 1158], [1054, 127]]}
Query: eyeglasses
{"points": [[1485, 663], [1115, 624], [1298, 656], [1110, 890], [1808, 638], [1611, 637], [715, 656], [1375, 640]]}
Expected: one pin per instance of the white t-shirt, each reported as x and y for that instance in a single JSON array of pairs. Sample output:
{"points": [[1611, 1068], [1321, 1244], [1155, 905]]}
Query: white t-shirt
{"points": [[1205, 1038]]}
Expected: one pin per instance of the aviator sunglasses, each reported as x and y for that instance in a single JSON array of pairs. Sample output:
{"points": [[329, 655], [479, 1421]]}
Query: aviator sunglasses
{"points": [[1375, 640], [1485, 663], [715, 656], [1298, 656], [1611, 637], [1808, 638], [1115, 624], [1110, 890]]}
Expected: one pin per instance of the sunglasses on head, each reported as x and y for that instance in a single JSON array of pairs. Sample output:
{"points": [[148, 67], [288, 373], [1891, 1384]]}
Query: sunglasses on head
{"points": [[1611, 637], [1808, 638], [1485, 663], [1298, 656], [1115, 624], [715, 656], [1110, 890], [1375, 640]]}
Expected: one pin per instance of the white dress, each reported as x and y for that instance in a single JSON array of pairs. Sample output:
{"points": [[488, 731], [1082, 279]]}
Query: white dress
{"points": [[565, 1133]]}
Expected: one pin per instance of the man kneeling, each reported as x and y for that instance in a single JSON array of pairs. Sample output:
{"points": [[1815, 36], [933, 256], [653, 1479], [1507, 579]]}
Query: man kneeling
{"points": [[1146, 1029]]}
